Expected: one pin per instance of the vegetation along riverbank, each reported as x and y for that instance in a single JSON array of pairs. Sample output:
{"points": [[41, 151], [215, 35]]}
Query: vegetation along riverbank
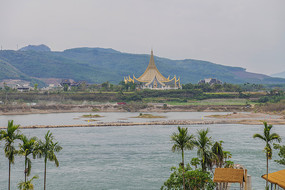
{"points": [[123, 97], [200, 172]]}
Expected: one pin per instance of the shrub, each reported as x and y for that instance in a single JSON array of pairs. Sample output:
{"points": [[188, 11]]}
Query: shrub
{"points": [[194, 179]]}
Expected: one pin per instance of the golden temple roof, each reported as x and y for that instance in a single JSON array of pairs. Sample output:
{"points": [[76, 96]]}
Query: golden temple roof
{"points": [[153, 79]]}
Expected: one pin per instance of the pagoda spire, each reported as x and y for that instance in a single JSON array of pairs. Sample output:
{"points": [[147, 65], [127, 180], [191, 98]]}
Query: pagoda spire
{"points": [[151, 72], [151, 64]]}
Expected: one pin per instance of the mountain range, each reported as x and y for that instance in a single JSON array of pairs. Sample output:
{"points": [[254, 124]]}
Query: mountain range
{"points": [[98, 65]]}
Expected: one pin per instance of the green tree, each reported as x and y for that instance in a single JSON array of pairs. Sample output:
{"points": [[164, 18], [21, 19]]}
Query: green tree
{"points": [[195, 179], [218, 152], [281, 153], [182, 141], [6, 87], [203, 144], [199, 179], [26, 148], [27, 185], [47, 150], [9, 136], [36, 86], [268, 138], [220, 160], [195, 162]]}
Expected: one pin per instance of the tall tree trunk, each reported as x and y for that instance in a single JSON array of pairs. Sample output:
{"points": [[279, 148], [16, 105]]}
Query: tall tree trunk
{"points": [[267, 172], [25, 171], [45, 173], [9, 174], [183, 170]]}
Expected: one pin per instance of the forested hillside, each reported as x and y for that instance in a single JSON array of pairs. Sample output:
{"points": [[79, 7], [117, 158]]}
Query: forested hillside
{"points": [[97, 65]]}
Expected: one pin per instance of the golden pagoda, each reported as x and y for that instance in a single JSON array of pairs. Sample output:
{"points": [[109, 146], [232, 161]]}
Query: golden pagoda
{"points": [[153, 79]]}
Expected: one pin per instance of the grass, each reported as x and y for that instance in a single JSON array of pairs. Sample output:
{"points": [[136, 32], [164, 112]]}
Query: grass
{"points": [[91, 120], [162, 100], [208, 102], [92, 116], [247, 92], [149, 116], [95, 109], [221, 92], [278, 107], [219, 116]]}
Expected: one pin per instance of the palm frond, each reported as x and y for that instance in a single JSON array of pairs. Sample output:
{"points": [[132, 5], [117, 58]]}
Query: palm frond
{"points": [[259, 136]]}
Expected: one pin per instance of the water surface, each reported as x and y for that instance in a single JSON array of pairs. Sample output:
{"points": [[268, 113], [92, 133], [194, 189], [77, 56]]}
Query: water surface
{"points": [[129, 157]]}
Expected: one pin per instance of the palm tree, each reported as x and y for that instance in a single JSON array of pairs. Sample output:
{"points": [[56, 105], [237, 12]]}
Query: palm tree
{"points": [[47, 149], [218, 152], [26, 148], [9, 136], [195, 162], [27, 185], [268, 139], [281, 153], [182, 141], [203, 144]]}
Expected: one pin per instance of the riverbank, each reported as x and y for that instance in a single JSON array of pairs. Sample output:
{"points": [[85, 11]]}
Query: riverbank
{"points": [[153, 107], [234, 118]]}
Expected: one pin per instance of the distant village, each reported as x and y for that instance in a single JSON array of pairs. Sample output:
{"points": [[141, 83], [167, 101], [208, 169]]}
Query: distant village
{"points": [[25, 86]]}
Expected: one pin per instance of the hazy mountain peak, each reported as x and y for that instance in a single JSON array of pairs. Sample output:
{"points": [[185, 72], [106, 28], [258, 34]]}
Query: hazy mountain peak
{"points": [[281, 75], [89, 49]]}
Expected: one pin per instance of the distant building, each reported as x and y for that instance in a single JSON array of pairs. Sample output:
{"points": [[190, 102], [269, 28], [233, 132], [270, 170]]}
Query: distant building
{"points": [[210, 81], [65, 82], [23, 89], [153, 79], [71, 83]]}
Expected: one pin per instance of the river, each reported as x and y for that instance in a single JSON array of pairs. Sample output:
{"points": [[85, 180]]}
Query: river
{"points": [[128, 157]]}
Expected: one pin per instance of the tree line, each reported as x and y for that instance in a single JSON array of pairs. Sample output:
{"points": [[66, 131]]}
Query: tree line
{"points": [[29, 147], [129, 92]]}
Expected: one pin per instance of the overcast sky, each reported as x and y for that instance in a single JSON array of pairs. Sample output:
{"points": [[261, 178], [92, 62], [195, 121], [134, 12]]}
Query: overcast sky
{"points": [[244, 33]]}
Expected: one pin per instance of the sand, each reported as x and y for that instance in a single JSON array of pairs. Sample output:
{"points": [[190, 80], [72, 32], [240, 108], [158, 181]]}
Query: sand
{"points": [[234, 118]]}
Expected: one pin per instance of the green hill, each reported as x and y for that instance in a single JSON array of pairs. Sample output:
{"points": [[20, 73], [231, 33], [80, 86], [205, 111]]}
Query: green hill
{"points": [[7, 71], [97, 65]]}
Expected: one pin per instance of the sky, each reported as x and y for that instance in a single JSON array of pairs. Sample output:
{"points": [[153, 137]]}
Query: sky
{"points": [[243, 33]]}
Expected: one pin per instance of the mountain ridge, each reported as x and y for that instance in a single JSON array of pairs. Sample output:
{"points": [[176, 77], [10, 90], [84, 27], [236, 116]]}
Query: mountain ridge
{"points": [[97, 65]]}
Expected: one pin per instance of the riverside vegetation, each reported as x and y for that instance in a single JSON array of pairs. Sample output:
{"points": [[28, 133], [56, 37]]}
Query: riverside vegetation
{"points": [[34, 147], [263, 99], [141, 115], [198, 173]]}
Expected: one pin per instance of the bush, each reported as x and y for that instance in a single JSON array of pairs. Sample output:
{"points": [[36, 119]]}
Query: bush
{"points": [[194, 179]]}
